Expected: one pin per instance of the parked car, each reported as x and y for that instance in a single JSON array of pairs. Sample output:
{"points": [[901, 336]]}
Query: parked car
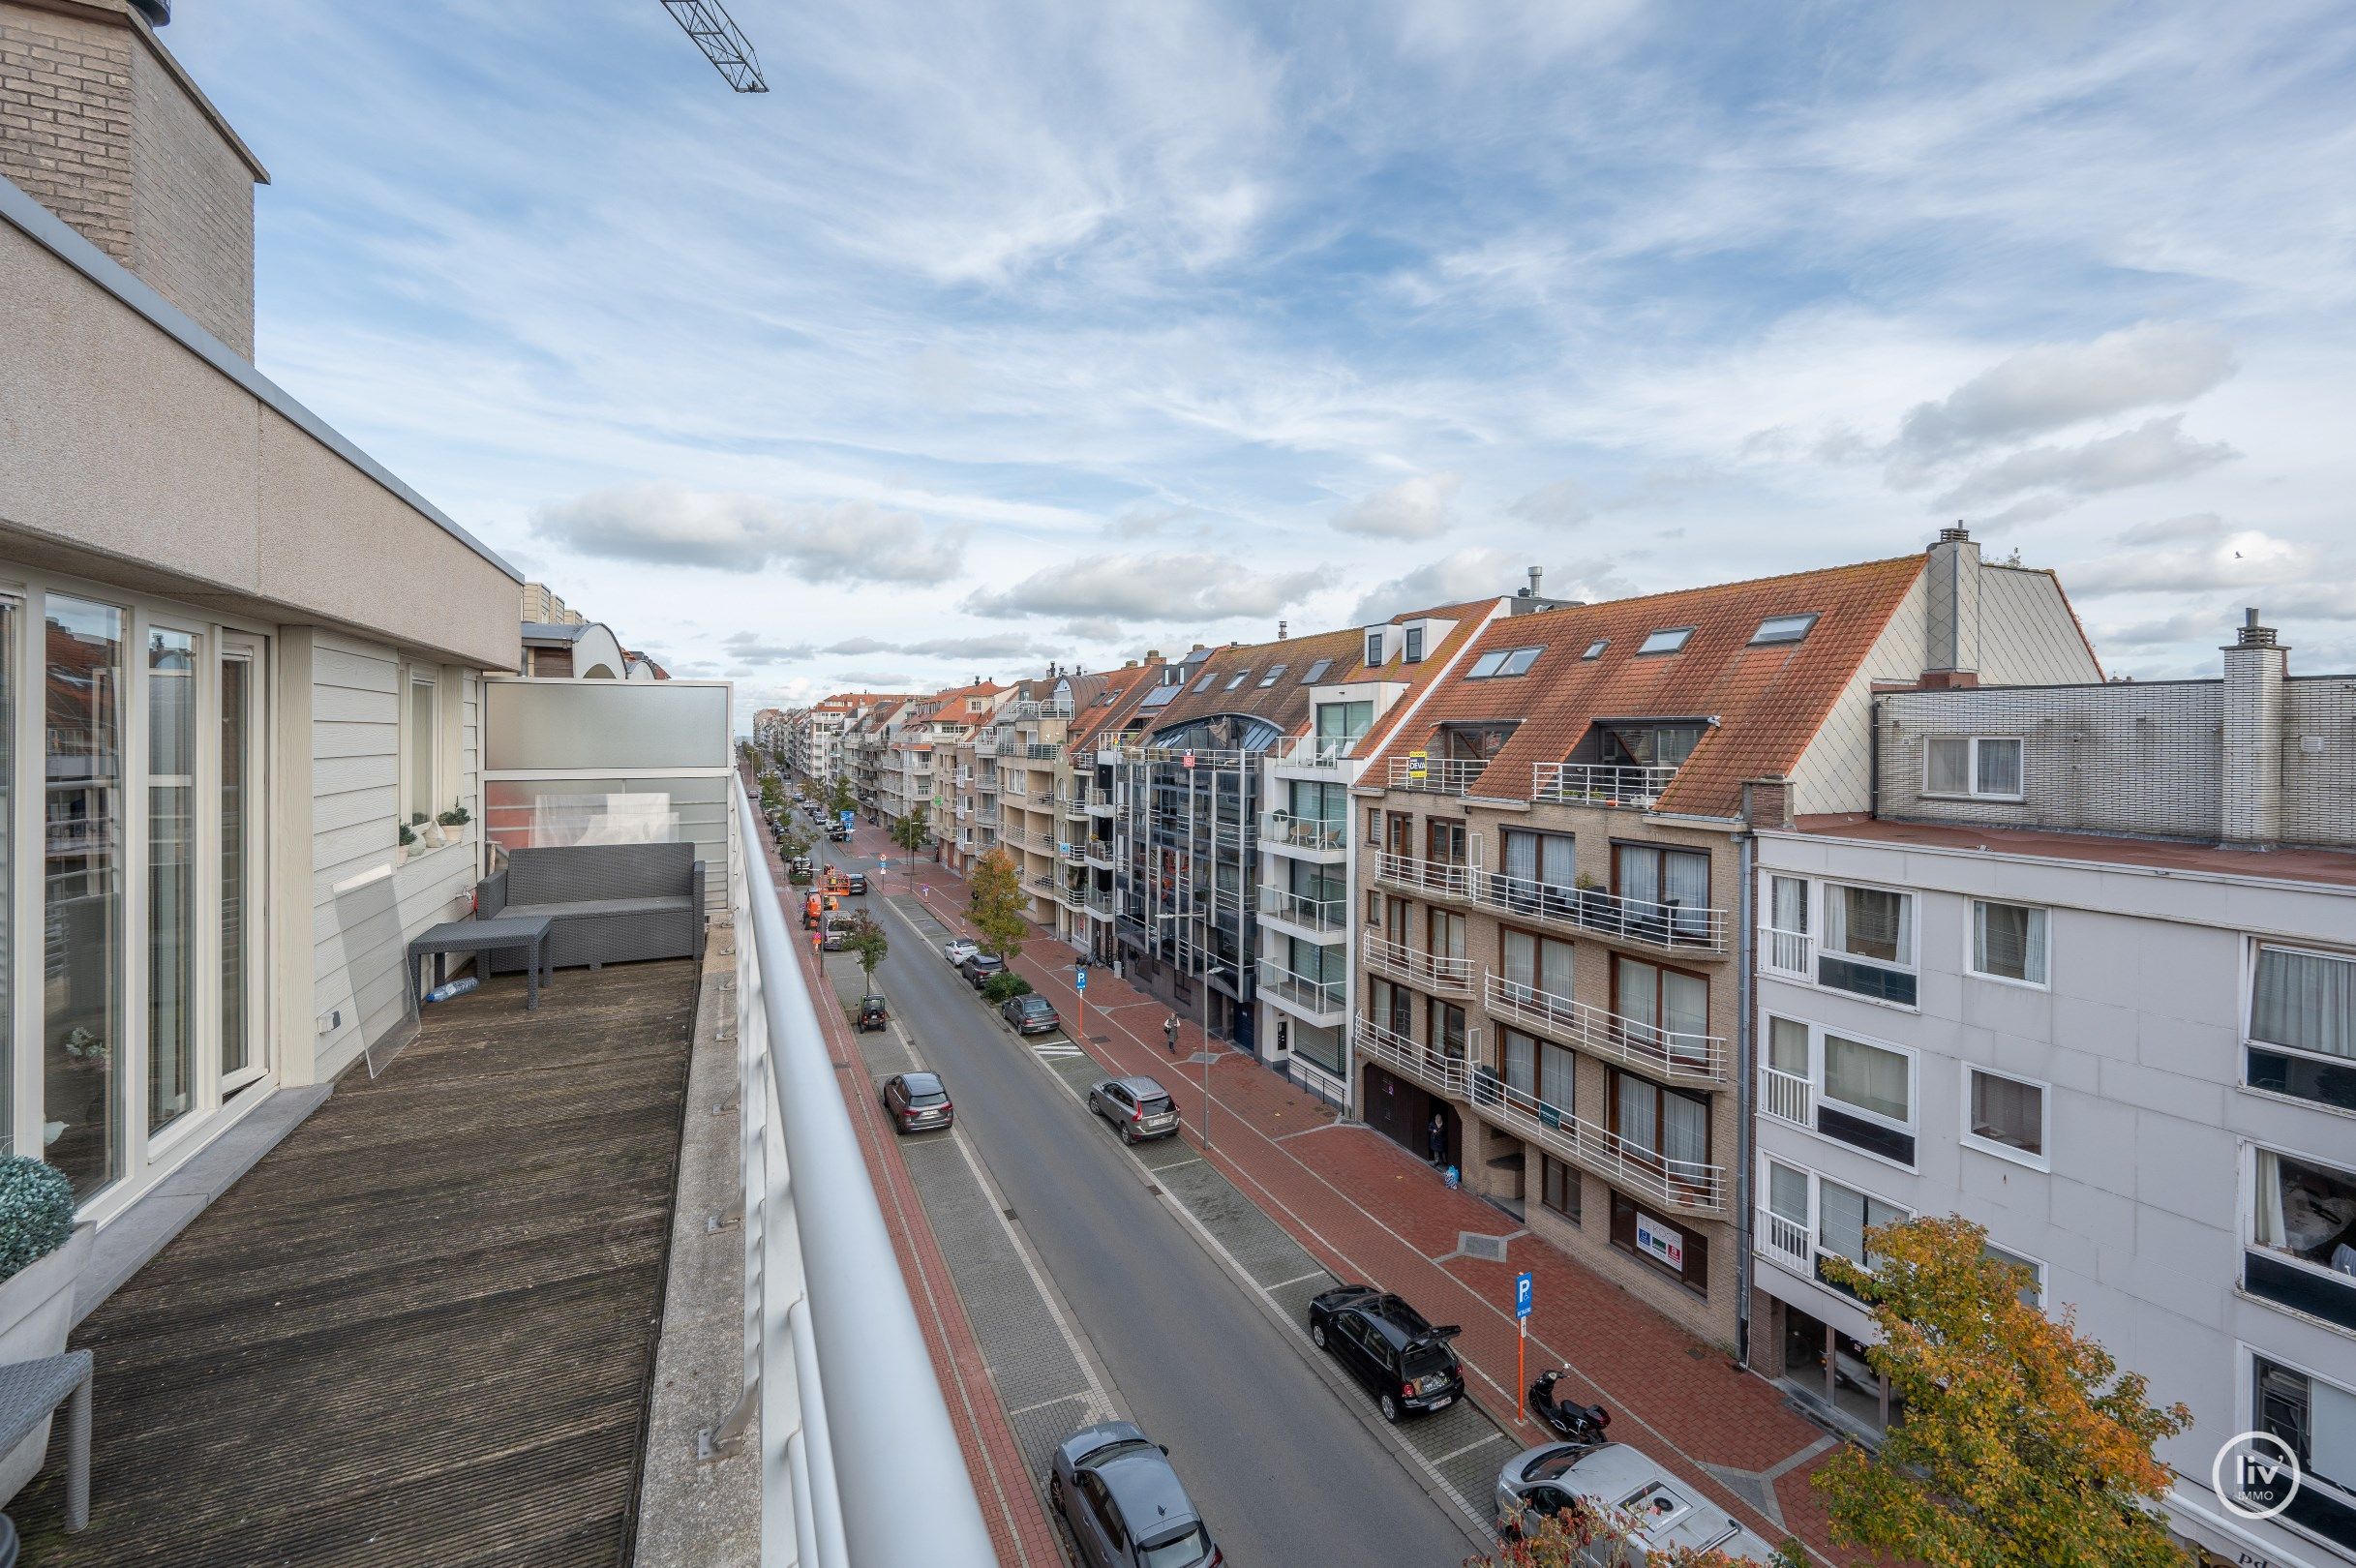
{"points": [[855, 883], [838, 933], [1399, 1357], [979, 967], [1124, 1503], [1030, 1013], [1667, 1515], [800, 866], [1138, 1108], [839, 833], [871, 1014], [958, 950], [917, 1103]]}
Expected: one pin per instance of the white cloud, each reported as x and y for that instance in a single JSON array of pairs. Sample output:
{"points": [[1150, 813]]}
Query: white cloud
{"points": [[1179, 587], [747, 647], [987, 646], [1565, 503], [2247, 558], [1479, 572], [1414, 508], [671, 526], [2155, 450]]}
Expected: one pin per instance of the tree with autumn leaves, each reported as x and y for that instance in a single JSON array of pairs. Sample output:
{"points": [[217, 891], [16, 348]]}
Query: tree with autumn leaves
{"points": [[2023, 1445], [996, 904]]}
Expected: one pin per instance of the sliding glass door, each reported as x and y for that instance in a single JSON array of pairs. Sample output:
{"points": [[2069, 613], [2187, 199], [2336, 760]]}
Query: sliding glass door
{"points": [[82, 965]]}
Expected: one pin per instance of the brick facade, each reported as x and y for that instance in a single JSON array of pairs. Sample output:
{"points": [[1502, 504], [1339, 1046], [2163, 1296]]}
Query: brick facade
{"points": [[65, 120]]}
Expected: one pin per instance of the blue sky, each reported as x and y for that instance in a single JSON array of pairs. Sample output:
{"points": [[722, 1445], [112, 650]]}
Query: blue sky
{"points": [[1024, 329]]}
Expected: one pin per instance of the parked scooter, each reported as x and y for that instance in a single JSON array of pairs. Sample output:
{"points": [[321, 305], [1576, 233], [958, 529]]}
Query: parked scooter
{"points": [[1568, 1419]]}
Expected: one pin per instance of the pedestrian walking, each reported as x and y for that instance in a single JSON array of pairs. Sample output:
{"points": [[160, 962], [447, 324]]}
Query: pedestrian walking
{"points": [[1169, 1034], [1435, 1138]]}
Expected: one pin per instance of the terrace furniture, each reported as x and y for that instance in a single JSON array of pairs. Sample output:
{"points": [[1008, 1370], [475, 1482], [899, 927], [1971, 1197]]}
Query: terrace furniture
{"points": [[608, 903], [30, 1393], [511, 932]]}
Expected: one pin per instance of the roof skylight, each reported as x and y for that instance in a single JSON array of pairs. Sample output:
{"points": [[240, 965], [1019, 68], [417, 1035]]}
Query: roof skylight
{"points": [[1668, 640], [1783, 628]]}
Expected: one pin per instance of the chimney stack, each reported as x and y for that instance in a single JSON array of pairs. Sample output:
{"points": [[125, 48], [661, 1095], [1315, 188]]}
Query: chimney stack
{"points": [[1950, 636], [2251, 742], [1279, 631]]}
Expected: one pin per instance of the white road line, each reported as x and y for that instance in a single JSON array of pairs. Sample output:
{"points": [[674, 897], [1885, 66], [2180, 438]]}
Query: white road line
{"points": [[1304, 1278], [1477, 1443], [1060, 1399]]}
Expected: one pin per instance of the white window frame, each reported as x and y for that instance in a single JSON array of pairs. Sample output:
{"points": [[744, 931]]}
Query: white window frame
{"points": [[1820, 915], [412, 675], [2043, 1159], [2035, 1265], [2251, 947], [1817, 1095], [2248, 1239], [1765, 1186], [1971, 944], [1971, 790], [2246, 1357], [1373, 648]]}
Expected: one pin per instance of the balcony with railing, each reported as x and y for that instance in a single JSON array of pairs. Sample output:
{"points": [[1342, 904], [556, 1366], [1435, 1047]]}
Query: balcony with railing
{"points": [[1690, 1187], [1432, 879], [1099, 903], [1668, 926], [1315, 917], [987, 816], [1787, 954], [1317, 751], [1786, 1240], [1438, 974], [1787, 1097], [1051, 709], [1304, 837], [1047, 888], [1098, 851], [1672, 1055], [1439, 775], [1075, 804], [1071, 854], [1609, 784], [1040, 751], [1322, 1002]]}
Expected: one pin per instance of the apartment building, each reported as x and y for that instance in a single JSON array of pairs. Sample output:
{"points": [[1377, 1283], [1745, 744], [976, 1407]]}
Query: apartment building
{"points": [[1551, 964], [772, 728], [867, 742], [911, 766], [1102, 721], [237, 655], [2086, 976]]}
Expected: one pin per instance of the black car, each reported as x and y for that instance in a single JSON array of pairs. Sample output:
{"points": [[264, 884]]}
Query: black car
{"points": [[917, 1103], [1125, 1505], [1403, 1360], [872, 1015], [977, 969], [1030, 1013], [855, 883]]}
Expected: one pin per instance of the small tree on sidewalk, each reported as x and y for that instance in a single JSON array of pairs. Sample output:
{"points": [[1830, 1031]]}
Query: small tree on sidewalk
{"points": [[913, 832], [995, 904], [839, 798], [869, 944], [2024, 1445]]}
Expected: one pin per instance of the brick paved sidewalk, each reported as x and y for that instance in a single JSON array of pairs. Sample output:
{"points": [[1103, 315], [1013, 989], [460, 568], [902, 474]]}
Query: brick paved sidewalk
{"points": [[1371, 1211]]}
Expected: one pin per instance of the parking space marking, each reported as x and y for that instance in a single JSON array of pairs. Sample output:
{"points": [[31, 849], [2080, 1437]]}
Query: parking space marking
{"points": [[1285, 1284], [1477, 1443]]}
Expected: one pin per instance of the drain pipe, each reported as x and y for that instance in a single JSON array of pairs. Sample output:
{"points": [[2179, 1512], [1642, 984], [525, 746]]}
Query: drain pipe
{"points": [[1745, 1044]]}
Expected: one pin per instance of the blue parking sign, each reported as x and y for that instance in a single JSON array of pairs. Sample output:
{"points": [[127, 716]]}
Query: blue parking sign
{"points": [[1522, 1295], [1079, 977]]}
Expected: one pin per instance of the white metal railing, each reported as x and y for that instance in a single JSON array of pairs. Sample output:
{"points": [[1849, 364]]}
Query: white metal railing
{"points": [[1053, 708], [1785, 1240], [1669, 925], [1317, 750], [1323, 998], [1040, 751], [1100, 804], [1671, 1052], [1439, 879], [1315, 914], [1787, 1097], [1684, 1184], [1099, 901], [1598, 783], [1283, 830], [1791, 953], [1074, 854], [1099, 851], [850, 1416], [1442, 776], [1075, 803], [985, 746], [1432, 972]]}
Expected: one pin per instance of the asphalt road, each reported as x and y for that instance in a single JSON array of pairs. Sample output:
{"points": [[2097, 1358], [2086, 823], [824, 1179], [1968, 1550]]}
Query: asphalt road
{"points": [[1285, 1474]]}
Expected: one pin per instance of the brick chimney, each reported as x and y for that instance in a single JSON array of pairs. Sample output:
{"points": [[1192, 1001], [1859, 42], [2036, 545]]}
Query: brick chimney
{"points": [[1950, 621], [2251, 739], [103, 127]]}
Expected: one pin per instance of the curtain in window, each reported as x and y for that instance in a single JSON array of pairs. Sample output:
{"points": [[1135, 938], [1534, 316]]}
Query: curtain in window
{"points": [[1788, 1193], [1843, 1217], [1866, 1076], [1998, 768], [1869, 922], [2305, 1000], [1447, 935], [1557, 1068], [1787, 899], [1684, 1008], [1520, 1063], [1555, 967], [1521, 854], [2267, 1226], [1685, 1129], [1521, 952], [1640, 987], [2010, 942], [1686, 877], [1947, 770], [1554, 860], [1639, 1113], [1788, 1046], [1639, 874]]}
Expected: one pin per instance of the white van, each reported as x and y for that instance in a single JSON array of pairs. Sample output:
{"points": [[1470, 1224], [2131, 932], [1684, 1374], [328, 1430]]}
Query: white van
{"points": [[1666, 1511]]}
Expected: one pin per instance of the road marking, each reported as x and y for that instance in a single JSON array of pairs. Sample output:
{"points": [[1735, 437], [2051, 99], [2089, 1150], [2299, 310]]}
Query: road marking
{"points": [[1477, 1443], [1301, 1279]]}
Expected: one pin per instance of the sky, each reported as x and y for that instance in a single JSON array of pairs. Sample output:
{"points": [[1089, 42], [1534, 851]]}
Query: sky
{"points": [[1009, 331]]}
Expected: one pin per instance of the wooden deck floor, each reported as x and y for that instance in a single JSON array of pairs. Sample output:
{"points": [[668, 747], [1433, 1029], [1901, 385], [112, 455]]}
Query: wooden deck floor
{"points": [[420, 1331]]}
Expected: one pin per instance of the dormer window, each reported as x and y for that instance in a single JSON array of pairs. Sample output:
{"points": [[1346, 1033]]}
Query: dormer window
{"points": [[1783, 629], [1668, 640], [1374, 646], [1595, 648], [1415, 653], [1276, 673]]}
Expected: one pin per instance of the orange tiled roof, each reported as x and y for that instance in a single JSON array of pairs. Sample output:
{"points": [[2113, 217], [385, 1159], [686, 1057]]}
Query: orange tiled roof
{"points": [[1770, 700], [1126, 687]]}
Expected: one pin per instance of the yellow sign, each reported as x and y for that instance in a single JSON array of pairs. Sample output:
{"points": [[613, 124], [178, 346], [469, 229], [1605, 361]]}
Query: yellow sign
{"points": [[1418, 764]]}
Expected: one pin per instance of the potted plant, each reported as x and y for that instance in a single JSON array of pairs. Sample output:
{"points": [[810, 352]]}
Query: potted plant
{"points": [[456, 819], [401, 851], [41, 1253], [424, 828]]}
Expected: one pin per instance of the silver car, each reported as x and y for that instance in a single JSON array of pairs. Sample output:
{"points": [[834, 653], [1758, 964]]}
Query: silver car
{"points": [[1663, 1512], [1138, 1108], [1124, 1504]]}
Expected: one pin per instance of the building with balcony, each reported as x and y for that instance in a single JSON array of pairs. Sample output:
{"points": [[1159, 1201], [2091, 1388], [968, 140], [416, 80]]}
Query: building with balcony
{"points": [[1084, 843], [2086, 974], [1551, 957]]}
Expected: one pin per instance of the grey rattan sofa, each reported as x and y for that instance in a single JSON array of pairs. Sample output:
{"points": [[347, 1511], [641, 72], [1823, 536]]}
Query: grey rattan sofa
{"points": [[609, 903]]}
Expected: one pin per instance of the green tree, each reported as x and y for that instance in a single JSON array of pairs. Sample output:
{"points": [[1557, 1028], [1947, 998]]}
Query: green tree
{"points": [[772, 794], [2024, 1445], [996, 904], [913, 831], [869, 944], [1591, 1535], [839, 798]]}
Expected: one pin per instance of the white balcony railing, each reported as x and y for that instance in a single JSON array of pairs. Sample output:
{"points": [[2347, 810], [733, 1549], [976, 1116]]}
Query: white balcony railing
{"points": [[1669, 1053], [1281, 830], [1318, 751], [1098, 851], [1323, 999], [1053, 708], [1671, 927], [1099, 902], [1442, 776], [1791, 955], [1598, 783], [1435, 973], [1072, 853], [1074, 805], [1692, 1186], [1434, 879], [1787, 1097], [1320, 915], [836, 1368], [1785, 1240], [1100, 804]]}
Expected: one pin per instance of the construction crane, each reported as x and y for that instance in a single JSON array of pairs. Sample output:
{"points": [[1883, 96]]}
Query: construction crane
{"points": [[721, 40]]}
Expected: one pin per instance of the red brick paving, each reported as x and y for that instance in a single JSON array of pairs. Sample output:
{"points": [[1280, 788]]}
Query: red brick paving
{"points": [[1369, 1210]]}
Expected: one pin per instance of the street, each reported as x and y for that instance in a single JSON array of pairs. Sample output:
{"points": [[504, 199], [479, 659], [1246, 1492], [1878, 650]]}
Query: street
{"points": [[1283, 1471]]}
